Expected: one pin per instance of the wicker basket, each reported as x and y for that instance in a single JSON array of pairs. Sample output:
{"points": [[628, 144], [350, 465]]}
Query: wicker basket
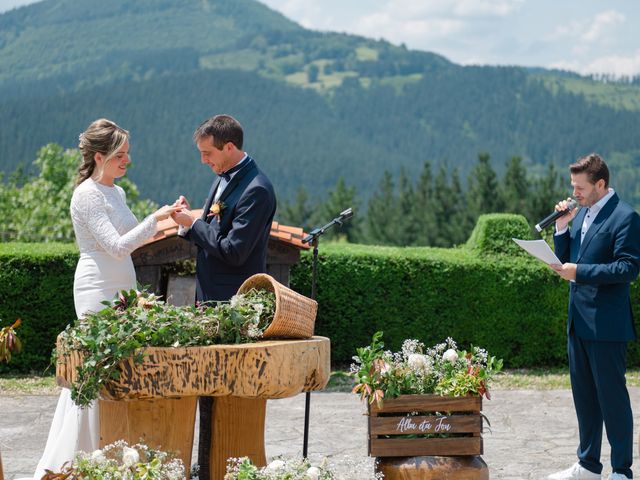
{"points": [[295, 314]]}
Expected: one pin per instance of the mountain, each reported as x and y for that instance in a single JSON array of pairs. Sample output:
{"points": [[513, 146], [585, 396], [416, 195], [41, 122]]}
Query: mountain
{"points": [[315, 106]]}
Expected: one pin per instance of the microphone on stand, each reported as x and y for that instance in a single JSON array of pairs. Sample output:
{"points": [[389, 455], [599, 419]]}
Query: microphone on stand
{"points": [[555, 216]]}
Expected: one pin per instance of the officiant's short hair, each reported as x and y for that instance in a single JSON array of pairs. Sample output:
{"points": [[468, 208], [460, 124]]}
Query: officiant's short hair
{"points": [[223, 129], [594, 166]]}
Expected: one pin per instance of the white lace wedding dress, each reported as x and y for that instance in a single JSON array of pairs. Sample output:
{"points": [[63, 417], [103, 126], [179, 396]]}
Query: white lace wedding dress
{"points": [[106, 232]]}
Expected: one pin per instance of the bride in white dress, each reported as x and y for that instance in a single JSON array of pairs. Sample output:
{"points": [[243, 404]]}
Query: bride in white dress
{"points": [[106, 232]]}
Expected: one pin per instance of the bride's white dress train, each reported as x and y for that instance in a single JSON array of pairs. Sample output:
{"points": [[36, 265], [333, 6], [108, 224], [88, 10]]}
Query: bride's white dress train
{"points": [[106, 232]]}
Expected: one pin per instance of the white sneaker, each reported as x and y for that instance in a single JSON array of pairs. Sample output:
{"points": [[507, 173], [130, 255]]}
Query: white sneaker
{"points": [[577, 472], [618, 476]]}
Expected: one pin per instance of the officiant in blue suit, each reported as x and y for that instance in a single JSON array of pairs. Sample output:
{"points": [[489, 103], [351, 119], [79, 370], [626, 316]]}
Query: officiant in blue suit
{"points": [[601, 257], [231, 234]]}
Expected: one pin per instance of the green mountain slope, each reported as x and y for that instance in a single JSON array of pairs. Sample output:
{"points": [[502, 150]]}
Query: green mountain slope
{"points": [[315, 106]]}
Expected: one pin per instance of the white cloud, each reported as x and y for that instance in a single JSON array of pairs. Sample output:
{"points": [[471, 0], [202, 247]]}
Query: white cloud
{"points": [[601, 25], [617, 64], [591, 30], [400, 30], [496, 8]]}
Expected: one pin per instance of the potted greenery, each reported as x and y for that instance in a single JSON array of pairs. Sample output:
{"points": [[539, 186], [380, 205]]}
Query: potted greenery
{"points": [[425, 404]]}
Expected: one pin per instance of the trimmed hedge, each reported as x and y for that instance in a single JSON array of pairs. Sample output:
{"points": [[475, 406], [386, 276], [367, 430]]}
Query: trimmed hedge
{"points": [[515, 308], [36, 285], [512, 305], [493, 233]]}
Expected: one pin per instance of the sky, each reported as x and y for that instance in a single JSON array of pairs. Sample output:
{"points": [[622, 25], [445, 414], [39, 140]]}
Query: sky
{"points": [[585, 36]]}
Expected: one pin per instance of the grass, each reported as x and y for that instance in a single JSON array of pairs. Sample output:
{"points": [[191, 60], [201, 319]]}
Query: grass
{"points": [[340, 381]]}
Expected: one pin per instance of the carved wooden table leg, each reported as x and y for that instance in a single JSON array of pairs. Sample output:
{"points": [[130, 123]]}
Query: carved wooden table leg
{"points": [[166, 424], [237, 430]]}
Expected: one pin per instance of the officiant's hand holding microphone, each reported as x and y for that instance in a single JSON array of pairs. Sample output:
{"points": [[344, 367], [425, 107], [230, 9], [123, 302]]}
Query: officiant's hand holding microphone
{"points": [[568, 206]]}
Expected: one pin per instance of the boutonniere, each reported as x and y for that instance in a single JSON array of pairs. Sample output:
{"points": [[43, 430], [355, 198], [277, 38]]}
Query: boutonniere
{"points": [[216, 210]]}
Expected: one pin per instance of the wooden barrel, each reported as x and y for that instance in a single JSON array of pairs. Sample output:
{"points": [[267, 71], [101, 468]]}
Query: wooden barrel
{"points": [[433, 468]]}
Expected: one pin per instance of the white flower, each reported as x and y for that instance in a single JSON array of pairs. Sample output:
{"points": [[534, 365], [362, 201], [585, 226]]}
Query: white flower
{"points": [[98, 456], [450, 355], [418, 362], [313, 473], [235, 301], [275, 466], [130, 456]]}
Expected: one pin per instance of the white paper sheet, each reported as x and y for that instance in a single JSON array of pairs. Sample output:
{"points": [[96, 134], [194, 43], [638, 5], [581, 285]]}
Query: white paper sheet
{"points": [[539, 249]]}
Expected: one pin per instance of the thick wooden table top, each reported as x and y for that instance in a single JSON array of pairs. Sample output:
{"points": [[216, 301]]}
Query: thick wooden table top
{"points": [[268, 369]]}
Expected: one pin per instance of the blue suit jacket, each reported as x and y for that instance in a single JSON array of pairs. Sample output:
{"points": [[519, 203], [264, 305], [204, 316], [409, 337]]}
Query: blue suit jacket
{"points": [[232, 250], [608, 260]]}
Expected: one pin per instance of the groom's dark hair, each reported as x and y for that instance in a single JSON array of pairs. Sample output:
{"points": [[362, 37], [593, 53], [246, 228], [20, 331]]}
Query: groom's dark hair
{"points": [[223, 129]]}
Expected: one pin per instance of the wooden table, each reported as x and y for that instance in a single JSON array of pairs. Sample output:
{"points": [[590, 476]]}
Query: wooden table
{"points": [[156, 400]]}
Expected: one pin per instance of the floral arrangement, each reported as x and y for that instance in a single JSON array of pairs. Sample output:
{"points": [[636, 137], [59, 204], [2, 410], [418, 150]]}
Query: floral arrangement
{"points": [[9, 341], [243, 469], [216, 210], [119, 461], [138, 319], [441, 369]]}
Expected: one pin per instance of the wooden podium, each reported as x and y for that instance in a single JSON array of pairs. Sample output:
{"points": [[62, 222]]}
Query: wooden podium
{"points": [[156, 400]]}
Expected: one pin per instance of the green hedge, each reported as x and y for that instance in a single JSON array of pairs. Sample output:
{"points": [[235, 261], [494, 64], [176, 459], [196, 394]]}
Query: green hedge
{"points": [[36, 285], [511, 304]]}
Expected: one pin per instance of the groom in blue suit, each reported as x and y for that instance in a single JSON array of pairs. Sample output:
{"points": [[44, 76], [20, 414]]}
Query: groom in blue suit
{"points": [[601, 257], [231, 234]]}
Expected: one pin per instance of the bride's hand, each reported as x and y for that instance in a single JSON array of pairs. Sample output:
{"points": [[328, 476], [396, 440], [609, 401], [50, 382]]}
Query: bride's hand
{"points": [[166, 211]]}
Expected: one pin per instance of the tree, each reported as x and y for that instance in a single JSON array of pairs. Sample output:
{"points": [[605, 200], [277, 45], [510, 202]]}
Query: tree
{"points": [[515, 188], [36, 208], [423, 214], [442, 208], [382, 212], [298, 212], [547, 191], [406, 227], [483, 194], [338, 200], [461, 222]]}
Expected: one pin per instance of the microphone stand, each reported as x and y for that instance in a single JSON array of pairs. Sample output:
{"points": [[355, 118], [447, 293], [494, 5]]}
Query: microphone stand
{"points": [[313, 239]]}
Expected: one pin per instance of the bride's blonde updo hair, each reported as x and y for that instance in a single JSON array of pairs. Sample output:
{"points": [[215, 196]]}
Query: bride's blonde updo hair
{"points": [[102, 136]]}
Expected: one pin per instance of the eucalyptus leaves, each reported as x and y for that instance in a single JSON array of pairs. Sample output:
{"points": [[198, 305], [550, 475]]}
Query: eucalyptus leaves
{"points": [[135, 320]]}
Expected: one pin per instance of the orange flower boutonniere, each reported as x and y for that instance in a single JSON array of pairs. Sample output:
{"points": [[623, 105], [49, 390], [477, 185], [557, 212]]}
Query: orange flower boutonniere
{"points": [[216, 210]]}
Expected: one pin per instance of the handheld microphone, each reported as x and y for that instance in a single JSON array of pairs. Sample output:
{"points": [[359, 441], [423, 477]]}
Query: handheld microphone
{"points": [[555, 215]]}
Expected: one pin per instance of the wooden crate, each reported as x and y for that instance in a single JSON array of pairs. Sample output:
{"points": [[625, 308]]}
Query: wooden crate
{"points": [[400, 426]]}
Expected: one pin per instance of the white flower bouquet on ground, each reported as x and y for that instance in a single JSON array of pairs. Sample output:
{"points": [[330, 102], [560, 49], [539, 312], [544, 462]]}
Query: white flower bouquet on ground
{"points": [[279, 469], [119, 461]]}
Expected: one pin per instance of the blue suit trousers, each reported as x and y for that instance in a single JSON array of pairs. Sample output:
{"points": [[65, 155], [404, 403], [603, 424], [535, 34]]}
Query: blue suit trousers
{"points": [[600, 395]]}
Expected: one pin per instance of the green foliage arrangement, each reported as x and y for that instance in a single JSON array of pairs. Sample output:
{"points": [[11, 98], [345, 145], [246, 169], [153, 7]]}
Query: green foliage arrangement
{"points": [[119, 461], [243, 469], [441, 370], [135, 320]]}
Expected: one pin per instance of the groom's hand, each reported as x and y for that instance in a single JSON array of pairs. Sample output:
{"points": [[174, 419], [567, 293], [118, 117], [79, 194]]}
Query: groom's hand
{"points": [[183, 202], [184, 217]]}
